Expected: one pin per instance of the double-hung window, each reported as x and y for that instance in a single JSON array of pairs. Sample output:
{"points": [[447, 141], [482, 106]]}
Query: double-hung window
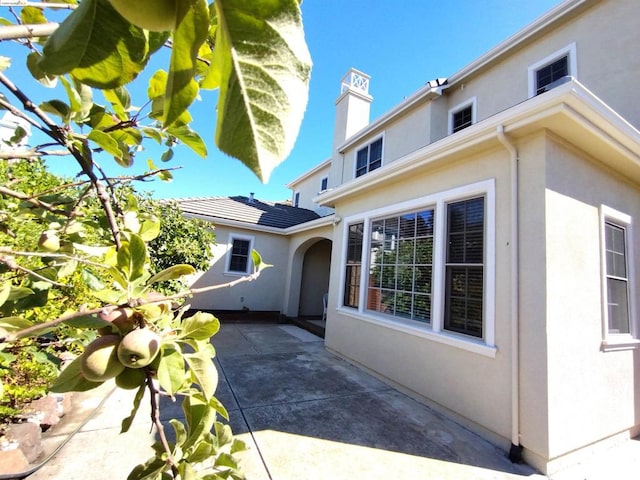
{"points": [[369, 158], [618, 308], [427, 265], [239, 261]]}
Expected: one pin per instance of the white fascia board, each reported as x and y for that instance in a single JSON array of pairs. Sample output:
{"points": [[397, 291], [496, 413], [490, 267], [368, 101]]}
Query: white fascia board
{"points": [[309, 173], [572, 99]]}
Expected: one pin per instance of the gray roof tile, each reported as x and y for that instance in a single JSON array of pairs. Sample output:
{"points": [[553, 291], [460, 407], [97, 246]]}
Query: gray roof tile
{"points": [[243, 209]]}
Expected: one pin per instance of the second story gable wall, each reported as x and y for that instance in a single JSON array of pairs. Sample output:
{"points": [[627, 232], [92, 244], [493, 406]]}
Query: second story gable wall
{"points": [[309, 186], [602, 35], [407, 133]]}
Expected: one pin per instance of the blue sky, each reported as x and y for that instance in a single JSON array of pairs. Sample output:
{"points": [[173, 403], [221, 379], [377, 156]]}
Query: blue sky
{"points": [[401, 45]]}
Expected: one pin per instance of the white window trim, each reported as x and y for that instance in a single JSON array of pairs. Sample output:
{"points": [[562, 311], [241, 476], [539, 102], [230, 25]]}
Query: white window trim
{"points": [[473, 102], [620, 341], [237, 236], [366, 144], [569, 51], [435, 330]]}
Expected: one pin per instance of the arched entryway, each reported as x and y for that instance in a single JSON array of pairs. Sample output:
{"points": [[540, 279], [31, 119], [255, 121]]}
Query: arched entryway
{"points": [[315, 279]]}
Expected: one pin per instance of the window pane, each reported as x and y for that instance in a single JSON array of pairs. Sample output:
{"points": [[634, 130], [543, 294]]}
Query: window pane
{"points": [[353, 268], [462, 118], [239, 261], [401, 265], [617, 281], [464, 288], [618, 306], [551, 73]]}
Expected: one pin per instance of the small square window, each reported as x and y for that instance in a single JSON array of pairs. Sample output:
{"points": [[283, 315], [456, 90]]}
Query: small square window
{"points": [[550, 73], [462, 116], [462, 119], [239, 261]]}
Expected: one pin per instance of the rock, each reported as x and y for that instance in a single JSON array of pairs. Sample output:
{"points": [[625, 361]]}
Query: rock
{"points": [[44, 411], [28, 437], [12, 461]]}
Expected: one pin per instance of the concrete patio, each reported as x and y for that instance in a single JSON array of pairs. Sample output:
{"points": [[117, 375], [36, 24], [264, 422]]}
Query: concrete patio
{"points": [[304, 414]]}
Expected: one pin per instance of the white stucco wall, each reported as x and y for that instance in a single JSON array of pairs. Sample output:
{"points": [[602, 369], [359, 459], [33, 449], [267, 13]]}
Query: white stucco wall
{"points": [[263, 294], [474, 386]]}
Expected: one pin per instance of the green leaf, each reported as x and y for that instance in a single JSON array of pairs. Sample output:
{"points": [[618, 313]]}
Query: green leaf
{"points": [[191, 31], [127, 422], [201, 326], [120, 100], [97, 46], [132, 257], [204, 373], [13, 324], [71, 379], [57, 107], [5, 290], [171, 273], [258, 263], [149, 229], [17, 293], [181, 432], [171, 373], [32, 15], [150, 470], [260, 47], [190, 138], [33, 65]]}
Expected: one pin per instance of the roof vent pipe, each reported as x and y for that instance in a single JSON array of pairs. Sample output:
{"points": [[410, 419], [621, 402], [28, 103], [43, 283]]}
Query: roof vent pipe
{"points": [[251, 197]]}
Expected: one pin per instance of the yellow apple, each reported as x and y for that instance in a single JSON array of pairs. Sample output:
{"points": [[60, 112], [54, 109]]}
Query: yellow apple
{"points": [[154, 15]]}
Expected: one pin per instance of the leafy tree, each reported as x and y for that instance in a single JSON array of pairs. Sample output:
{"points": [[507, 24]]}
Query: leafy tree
{"points": [[91, 240]]}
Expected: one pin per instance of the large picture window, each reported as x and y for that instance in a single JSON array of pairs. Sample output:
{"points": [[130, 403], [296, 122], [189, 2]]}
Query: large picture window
{"points": [[427, 265], [401, 261]]}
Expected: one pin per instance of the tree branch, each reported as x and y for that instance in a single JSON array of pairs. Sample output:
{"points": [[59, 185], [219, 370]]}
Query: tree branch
{"points": [[33, 201], [14, 32]]}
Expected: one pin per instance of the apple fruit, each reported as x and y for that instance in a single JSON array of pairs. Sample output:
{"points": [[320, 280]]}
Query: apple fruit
{"points": [[49, 241], [122, 318], [154, 15], [99, 361], [138, 348]]}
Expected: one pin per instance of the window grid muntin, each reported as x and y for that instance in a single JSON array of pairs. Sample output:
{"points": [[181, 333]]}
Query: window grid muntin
{"points": [[618, 307], [369, 158], [551, 72], [240, 251], [398, 285], [461, 119], [464, 267], [353, 267]]}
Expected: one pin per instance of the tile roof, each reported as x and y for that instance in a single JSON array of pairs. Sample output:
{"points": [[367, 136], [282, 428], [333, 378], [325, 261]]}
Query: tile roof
{"points": [[244, 209]]}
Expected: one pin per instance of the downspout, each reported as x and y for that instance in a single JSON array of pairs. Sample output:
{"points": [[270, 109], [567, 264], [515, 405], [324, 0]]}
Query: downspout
{"points": [[515, 453]]}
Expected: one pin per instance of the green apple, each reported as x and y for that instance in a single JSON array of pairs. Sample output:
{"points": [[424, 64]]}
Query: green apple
{"points": [[154, 15], [99, 361], [49, 241], [138, 348]]}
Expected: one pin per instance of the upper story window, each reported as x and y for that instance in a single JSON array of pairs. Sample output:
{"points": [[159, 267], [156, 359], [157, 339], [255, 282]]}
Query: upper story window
{"points": [[296, 199], [462, 116], [618, 283], [324, 184], [544, 74], [369, 158], [239, 261], [427, 266]]}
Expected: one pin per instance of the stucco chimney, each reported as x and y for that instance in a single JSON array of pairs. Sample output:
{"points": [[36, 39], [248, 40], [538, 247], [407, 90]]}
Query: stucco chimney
{"points": [[352, 106]]}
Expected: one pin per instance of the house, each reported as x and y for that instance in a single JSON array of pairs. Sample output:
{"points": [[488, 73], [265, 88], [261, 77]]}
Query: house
{"points": [[482, 237]]}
